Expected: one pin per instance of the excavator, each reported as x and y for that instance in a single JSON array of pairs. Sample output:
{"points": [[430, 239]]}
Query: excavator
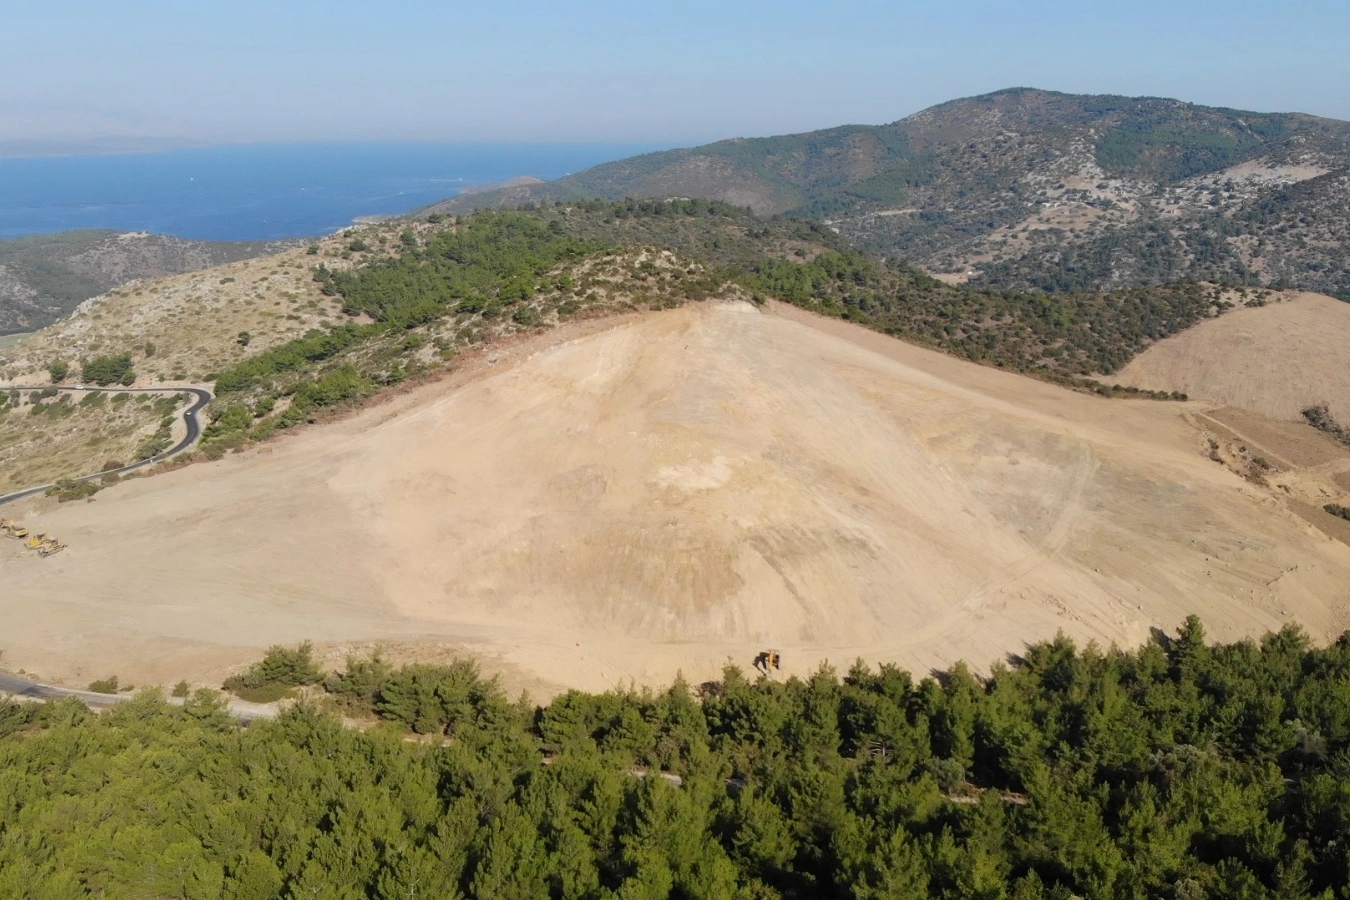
{"points": [[766, 660], [13, 529]]}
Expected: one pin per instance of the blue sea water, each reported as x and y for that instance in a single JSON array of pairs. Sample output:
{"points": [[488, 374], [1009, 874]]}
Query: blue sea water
{"points": [[265, 191]]}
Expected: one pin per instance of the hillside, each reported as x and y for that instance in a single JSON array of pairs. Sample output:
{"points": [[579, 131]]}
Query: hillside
{"points": [[45, 277], [285, 338], [629, 497], [1033, 189], [1275, 359]]}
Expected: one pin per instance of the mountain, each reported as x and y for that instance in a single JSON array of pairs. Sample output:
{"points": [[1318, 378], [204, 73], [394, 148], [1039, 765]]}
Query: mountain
{"points": [[44, 277], [1025, 188]]}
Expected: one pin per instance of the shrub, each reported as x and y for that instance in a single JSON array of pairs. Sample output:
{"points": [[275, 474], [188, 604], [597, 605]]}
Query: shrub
{"points": [[268, 693], [235, 417], [359, 685], [58, 369], [527, 316], [104, 685], [109, 369], [67, 489], [1337, 510], [280, 666], [182, 689]]}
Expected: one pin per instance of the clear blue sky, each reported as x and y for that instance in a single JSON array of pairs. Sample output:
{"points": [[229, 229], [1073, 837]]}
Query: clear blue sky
{"points": [[603, 70]]}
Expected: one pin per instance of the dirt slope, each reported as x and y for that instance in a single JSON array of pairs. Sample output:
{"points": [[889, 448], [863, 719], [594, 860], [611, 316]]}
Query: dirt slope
{"points": [[672, 490], [1274, 360]]}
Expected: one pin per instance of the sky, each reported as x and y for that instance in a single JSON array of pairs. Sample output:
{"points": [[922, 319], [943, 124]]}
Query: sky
{"points": [[652, 72]]}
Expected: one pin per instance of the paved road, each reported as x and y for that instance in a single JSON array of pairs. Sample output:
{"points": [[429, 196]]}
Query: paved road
{"points": [[194, 429], [23, 689]]}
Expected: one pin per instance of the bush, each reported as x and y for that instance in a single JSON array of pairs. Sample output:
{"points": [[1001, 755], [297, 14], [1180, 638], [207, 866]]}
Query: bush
{"points": [[58, 369], [67, 489], [235, 417], [109, 369], [268, 693], [182, 689], [1337, 510], [280, 667], [104, 685]]}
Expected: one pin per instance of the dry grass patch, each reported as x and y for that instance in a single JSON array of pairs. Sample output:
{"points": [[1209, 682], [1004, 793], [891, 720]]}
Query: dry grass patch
{"points": [[68, 438]]}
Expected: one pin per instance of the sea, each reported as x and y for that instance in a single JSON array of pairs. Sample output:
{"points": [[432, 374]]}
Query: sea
{"points": [[246, 192]]}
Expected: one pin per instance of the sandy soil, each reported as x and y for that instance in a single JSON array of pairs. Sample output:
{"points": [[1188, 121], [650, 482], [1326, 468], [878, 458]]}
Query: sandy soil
{"points": [[1275, 359], [615, 503]]}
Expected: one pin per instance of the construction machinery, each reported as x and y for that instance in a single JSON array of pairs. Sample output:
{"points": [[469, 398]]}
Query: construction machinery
{"points": [[768, 659], [44, 544]]}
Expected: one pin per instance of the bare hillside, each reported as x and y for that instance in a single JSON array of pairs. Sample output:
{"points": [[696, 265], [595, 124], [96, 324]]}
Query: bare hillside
{"points": [[619, 500], [43, 277], [1274, 360]]}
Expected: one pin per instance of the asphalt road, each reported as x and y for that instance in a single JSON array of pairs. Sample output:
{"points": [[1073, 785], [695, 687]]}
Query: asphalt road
{"points": [[23, 689], [194, 429]]}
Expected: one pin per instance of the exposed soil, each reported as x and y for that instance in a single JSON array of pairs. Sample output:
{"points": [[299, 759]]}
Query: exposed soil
{"points": [[1274, 359], [614, 502]]}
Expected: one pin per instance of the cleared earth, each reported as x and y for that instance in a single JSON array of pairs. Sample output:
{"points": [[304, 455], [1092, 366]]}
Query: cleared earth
{"points": [[613, 502], [1274, 359]]}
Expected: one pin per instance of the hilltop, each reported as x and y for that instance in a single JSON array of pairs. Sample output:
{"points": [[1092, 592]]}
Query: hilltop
{"points": [[45, 277], [286, 338], [1026, 188]]}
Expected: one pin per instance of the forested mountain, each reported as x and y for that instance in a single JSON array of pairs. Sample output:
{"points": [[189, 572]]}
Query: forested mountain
{"points": [[44, 277], [1181, 769], [1026, 188]]}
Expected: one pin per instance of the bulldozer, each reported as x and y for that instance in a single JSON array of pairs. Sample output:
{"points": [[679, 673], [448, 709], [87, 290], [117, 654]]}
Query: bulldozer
{"points": [[49, 547], [44, 545]]}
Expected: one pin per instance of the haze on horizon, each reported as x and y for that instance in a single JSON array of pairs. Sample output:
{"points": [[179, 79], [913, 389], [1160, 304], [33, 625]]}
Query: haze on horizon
{"points": [[601, 70]]}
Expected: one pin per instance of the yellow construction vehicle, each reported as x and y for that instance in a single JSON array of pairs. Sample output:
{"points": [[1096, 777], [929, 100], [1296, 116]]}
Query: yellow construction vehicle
{"points": [[44, 544], [768, 659], [49, 547]]}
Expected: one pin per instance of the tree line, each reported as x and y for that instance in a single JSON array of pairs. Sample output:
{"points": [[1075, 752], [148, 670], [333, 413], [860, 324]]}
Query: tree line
{"points": [[1182, 769]]}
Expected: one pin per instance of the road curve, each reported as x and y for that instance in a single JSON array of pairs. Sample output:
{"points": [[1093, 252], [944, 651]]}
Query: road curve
{"points": [[194, 429], [23, 689]]}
